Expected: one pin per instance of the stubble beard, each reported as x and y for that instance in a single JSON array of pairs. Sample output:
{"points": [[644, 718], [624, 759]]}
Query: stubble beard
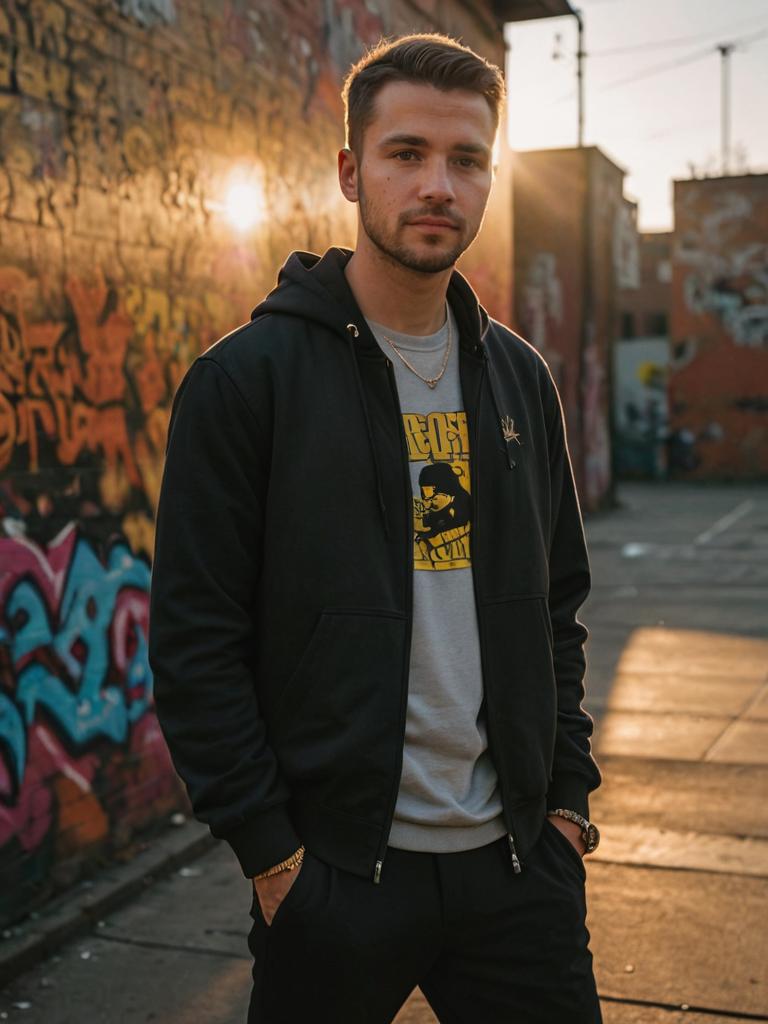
{"points": [[403, 255]]}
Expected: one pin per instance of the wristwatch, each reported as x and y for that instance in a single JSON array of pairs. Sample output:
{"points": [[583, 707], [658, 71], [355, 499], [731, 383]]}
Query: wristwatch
{"points": [[589, 832]]}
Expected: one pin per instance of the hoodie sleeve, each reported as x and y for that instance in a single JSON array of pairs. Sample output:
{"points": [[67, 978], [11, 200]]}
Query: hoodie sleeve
{"points": [[202, 641], [574, 772]]}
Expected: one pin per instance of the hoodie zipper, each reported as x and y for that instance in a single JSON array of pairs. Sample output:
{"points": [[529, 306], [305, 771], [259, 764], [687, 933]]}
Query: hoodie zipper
{"points": [[354, 332], [409, 629], [379, 865], [474, 476]]}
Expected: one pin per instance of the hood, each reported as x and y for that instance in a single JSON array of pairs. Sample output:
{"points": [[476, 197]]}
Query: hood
{"points": [[315, 288]]}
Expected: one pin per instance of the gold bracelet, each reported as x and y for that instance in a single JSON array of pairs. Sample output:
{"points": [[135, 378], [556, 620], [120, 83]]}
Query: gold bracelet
{"points": [[290, 864]]}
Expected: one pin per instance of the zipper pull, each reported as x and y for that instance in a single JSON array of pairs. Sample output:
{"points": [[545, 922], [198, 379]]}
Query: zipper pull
{"points": [[516, 867], [377, 872]]}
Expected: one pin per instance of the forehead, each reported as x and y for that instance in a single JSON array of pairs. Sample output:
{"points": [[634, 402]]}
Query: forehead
{"points": [[415, 108]]}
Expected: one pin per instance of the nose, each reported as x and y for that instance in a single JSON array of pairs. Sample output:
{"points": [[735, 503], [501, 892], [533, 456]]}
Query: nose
{"points": [[436, 185]]}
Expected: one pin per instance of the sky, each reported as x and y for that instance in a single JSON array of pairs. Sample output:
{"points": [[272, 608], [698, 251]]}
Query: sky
{"points": [[653, 108]]}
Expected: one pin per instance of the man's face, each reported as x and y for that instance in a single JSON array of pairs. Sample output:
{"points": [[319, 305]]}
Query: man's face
{"points": [[433, 499], [425, 174]]}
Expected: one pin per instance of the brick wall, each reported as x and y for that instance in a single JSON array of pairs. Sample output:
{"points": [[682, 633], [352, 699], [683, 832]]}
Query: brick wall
{"points": [[645, 310], [575, 246], [125, 126], [718, 388]]}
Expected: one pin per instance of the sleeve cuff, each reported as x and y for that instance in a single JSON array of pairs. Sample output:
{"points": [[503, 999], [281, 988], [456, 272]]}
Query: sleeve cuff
{"points": [[571, 793], [263, 841]]}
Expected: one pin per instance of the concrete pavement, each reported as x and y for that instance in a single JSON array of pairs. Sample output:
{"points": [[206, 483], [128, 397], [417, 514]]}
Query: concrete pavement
{"points": [[678, 891]]}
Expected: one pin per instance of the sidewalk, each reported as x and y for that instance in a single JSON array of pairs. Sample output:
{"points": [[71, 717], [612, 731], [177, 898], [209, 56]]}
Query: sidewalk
{"points": [[678, 891], [678, 685]]}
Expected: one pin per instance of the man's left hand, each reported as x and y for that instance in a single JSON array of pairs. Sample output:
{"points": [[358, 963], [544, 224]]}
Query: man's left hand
{"points": [[571, 831]]}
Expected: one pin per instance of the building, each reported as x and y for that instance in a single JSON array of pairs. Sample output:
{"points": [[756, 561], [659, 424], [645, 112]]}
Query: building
{"points": [[641, 365], [575, 250], [718, 387], [158, 162]]}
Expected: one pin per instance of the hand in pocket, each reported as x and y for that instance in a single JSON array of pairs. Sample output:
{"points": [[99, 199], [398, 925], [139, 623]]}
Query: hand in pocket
{"points": [[271, 891]]}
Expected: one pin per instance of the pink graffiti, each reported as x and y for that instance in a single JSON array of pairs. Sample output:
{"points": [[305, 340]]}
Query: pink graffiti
{"points": [[31, 816]]}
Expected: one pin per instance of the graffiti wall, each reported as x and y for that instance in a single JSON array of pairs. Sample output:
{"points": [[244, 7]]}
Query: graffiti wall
{"points": [[158, 162], [575, 245], [83, 762], [719, 374]]}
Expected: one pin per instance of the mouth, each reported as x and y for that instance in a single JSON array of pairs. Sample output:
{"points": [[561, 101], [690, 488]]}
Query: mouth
{"points": [[434, 222]]}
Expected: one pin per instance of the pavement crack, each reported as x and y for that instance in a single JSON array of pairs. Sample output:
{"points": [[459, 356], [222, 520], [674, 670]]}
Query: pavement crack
{"points": [[693, 869], [687, 1007], [170, 946]]}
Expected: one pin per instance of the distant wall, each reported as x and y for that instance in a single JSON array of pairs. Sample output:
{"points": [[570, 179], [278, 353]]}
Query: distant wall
{"points": [[575, 246], [641, 366], [641, 415], [719, 375], [645, 309], [124, 127]]}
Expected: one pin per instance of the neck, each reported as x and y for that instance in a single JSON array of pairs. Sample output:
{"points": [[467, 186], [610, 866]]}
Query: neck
{"points": [[390, 294]]}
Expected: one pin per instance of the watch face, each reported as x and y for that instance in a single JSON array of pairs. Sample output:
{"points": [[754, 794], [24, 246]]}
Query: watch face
{"points": [[592, 837]]}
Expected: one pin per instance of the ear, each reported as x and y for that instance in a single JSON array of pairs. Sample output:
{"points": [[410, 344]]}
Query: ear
{"points": [[348, 174]]}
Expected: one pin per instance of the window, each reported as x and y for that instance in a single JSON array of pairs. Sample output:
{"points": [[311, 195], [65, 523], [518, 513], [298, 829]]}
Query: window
{"points": [[656, 324], [627, 325]]}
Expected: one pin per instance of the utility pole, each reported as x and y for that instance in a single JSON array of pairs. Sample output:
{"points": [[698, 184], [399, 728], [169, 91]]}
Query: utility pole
{"points": [[725, 50], [580, 55]]}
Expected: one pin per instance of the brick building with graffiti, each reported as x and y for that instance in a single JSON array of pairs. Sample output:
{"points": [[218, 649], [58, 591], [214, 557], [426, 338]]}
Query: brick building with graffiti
{"points": [[576, 253], [130, 131], [718, 384]]}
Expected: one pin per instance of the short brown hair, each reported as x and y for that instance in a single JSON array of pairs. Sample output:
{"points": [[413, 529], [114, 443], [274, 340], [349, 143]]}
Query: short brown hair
{"points": [[426, 58]]}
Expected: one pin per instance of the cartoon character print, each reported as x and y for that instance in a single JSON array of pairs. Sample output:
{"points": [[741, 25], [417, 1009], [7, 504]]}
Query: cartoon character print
{"points": [[441, 502]]}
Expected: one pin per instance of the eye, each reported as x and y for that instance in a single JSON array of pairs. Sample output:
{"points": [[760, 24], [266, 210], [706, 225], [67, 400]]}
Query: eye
{"points": [[467, 161], [406, 155]]}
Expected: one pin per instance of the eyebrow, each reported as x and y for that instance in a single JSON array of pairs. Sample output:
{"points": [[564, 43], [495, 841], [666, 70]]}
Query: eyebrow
{"points": [[419, 140]]}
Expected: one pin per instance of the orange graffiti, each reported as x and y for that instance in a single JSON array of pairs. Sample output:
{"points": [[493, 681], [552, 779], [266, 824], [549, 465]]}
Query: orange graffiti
{"points": [[81, 819], [41, 377], [104, 342]]}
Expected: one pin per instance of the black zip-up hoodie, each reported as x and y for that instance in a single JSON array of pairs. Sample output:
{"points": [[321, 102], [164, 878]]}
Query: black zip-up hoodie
{"points": [[281, 594]]}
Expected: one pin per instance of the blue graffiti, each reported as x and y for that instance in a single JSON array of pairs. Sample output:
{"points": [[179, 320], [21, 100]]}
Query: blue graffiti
{"points": [[84, 706], [12, 733]]}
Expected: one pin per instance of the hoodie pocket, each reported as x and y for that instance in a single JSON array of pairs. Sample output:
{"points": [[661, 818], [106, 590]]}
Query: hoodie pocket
{"points": [[291, 697], [336, 728]]}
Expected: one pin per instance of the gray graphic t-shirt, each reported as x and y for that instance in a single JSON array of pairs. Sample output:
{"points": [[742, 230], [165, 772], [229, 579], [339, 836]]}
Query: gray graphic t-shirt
{"points": [[449, 797]]}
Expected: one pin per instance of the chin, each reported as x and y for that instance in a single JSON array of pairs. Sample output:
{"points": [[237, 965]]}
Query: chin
{"points": [[430, 262]]}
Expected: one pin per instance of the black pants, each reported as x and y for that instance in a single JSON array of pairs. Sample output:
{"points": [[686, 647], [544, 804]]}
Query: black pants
{"points": [[485, 945]]}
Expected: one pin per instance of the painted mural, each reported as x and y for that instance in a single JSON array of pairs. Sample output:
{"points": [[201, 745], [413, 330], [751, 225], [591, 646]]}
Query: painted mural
{"points": [[82, 761], [158, 162], [726, 275], [146, 200], [719, 372], [641, 413], [84, 403], [541, 302]]}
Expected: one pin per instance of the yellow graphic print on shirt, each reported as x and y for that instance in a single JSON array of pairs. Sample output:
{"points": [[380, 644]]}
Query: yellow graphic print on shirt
{"points": [[441, 502]]}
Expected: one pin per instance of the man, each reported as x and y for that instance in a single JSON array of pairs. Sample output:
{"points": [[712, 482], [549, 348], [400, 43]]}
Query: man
{"points": [[394, 753]]}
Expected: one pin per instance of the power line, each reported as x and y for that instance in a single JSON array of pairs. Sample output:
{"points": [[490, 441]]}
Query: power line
{"points": [[657, 69], [677, 41], [691, 58], [649, 72]]}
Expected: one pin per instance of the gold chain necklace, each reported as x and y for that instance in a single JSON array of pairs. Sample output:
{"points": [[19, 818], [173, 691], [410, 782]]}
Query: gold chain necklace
{"points": [[431, 382]]}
